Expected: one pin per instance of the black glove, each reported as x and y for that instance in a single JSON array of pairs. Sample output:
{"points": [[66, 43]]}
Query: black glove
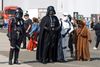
{"points": [[48, 28], [63, 35], [8, 35], [45, 28]]}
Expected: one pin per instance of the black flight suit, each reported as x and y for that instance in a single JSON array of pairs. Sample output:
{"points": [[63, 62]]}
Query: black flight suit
{"points": [[15, 33]]}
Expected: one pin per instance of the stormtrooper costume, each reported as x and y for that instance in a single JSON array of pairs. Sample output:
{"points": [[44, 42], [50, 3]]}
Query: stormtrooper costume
{"points": [[66, 28]]}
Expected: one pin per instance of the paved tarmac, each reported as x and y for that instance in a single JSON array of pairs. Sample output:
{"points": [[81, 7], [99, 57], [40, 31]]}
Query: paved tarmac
{"points": [[27, 58]]}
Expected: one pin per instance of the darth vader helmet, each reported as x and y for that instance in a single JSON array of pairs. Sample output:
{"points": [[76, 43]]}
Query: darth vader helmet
{"points": [[50, 10], [18, 13]]}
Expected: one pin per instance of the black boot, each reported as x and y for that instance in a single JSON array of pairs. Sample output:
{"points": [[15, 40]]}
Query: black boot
{"points": [[23, 48], [16, 56], [72, 56], [16, 62], [44, 62], [10, 62], [11, 56]]}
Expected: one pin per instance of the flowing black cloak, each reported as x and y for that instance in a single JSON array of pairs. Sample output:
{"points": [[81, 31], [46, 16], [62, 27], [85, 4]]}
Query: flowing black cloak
{"points": [[46, 36]]}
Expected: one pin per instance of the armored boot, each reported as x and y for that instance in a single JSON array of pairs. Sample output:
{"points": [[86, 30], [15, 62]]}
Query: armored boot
{"points": [[11, 56], [16, 57]]}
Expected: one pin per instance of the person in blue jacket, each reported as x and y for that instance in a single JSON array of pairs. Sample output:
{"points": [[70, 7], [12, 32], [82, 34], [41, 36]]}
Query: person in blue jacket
{"points": [[34, 32]]}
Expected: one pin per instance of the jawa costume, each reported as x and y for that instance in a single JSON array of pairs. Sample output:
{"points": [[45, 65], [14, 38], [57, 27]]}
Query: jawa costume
{"points": [[15, 34], [48, 37], [82, 41]]}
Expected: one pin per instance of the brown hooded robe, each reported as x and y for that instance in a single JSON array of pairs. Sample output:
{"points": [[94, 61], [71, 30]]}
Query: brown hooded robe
{"points": [[82, 43]]}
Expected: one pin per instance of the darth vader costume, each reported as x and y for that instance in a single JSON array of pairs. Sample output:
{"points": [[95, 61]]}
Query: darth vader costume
{"points": [[48, 37], [15, 35]]}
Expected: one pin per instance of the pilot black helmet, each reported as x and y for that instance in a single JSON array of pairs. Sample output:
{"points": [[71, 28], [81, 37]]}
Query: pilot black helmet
{"points": [[18, 13]]}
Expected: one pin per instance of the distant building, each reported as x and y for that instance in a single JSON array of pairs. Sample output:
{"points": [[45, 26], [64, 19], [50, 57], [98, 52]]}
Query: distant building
{"points": [[84, 7]]}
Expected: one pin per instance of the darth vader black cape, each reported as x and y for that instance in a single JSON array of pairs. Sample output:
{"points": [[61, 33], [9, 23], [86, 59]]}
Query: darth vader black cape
{"points": [[46, 36]]}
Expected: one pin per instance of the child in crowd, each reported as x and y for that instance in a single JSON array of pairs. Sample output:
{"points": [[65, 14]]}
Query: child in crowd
{"points": [[32, 45]]}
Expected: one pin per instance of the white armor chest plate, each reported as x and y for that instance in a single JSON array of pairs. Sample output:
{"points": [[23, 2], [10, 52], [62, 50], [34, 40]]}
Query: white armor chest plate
{"points": [[65, 27]]}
